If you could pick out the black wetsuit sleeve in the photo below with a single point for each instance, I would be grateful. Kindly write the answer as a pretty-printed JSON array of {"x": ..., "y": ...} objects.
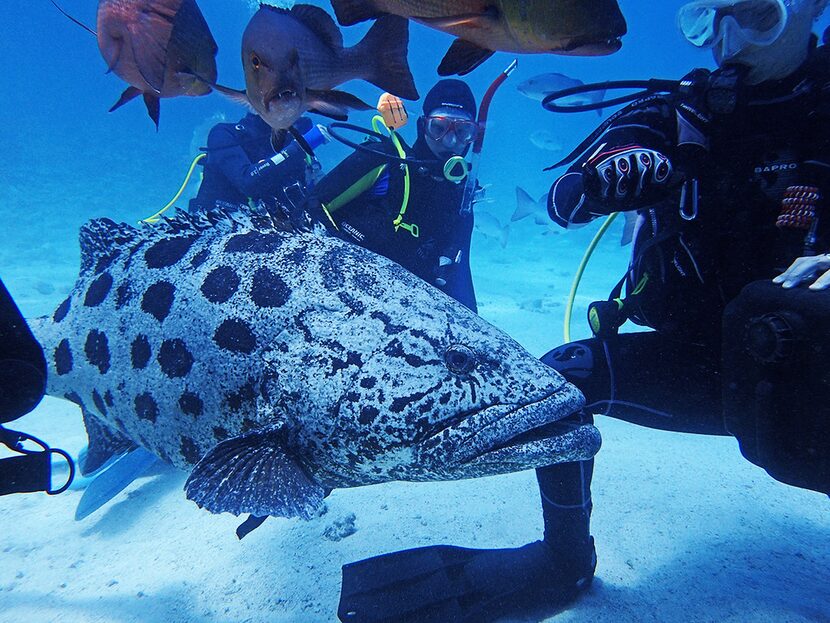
[
  {"x": 252, "y": 179},
  {"x": 652, "y": 126}
]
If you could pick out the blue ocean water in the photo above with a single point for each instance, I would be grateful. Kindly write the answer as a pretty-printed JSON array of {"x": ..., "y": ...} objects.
[{"x": 64, "y": 159}]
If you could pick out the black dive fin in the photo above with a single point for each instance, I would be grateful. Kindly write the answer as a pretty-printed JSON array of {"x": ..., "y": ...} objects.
[
  {"x": 249, "y": 525},
  {"x": 443, "y": 583},
  {"x": 254, "y": 474},
  {"x": 462, "y": 57},
  {"x": 104, "y": 444}
]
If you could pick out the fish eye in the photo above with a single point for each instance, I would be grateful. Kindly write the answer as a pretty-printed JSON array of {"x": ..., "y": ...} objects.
[
  {"x": 255, "y": 61},
  {"x": 460, "y": 359}
]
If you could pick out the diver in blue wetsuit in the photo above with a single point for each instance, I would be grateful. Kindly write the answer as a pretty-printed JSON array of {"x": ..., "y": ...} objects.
[
  {"x": 248, "y": 161},
  {"x": 424, "y": 229}
]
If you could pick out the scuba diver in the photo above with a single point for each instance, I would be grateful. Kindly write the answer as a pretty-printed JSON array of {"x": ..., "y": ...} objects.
[
  {"x": 728, "y": 174},
  {"x": 248, "y": 161},
  {"x": 22, "y": 387},
  {"x": 408, "y": 205}
]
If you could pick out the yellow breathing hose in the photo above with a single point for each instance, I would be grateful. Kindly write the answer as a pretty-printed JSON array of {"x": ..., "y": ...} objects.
[
  {"x": 579, "y": 272},
  {"x": 157, "y": 216}
]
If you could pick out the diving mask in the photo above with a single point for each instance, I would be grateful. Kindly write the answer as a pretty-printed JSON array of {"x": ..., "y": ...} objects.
[{"x": 732, "y": 24}]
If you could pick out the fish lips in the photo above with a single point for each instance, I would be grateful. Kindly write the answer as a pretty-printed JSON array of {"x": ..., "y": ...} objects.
[
  {"x": 510, "y": 437},
  {"x": 591, "y": 46}
]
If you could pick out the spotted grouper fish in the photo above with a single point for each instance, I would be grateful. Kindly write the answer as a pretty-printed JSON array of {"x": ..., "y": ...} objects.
[{"x": 276, "y": 366}]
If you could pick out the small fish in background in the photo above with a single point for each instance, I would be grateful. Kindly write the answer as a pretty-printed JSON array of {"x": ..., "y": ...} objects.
[
  {"x": 547, "y": 140},
  {"x": 485, "y": 26},
  {"x": 489, "y": 226},
  {"x": 539, "y": 87},
  {"x": 528, "y": 206},
  {"x": 294, "y": 58},
  {"x": 161, "y": 48}
]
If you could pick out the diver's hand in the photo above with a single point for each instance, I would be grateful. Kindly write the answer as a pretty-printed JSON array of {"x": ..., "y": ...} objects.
[
  {"x": 804, "y": 269},
  {"x": 626, "y": 174}
]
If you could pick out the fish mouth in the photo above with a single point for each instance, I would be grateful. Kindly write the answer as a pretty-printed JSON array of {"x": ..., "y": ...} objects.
[
  {"x": 279, "y": 97},
  {"x": 591, "y": 46},
  {"x": 512, "y": 437}
]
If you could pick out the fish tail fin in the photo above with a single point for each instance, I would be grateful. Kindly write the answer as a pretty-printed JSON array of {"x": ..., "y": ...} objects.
[
  {"x": 525, "y": 205},
  {"x": 383, "y": 51}
]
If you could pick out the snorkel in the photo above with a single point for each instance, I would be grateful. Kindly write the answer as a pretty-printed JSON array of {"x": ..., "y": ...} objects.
[{"x": 475, "y": 158}]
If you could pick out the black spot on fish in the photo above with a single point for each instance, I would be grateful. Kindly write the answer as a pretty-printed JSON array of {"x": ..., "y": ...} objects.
[
  {"x": 355, "y": 306},
  {"x": 445, "y": 398},
  {"x": 395, "y": 349},
  {"x": 235, "y": 336},
  {"x": 158, "y": 299},
  {"x": 73, "y": 397},
  {"x": 174, "y": 358},
  {"x": 62, "y": 310},
  {"x": 105, "y": 261},
  {"x": 168, "y": 251},
  {"x": 190, "y": 451},
  {"x": 140, "y": 352},
  {"x": 368, "y": 413},
  {"x": 220, "y": 284},
  {"x": 99, "y": 402},
  {"x": 123, "y": 295},
  {"x": 399, "y": 404},
  {"x": 98, "y": 290},
  {"x": 352, "y": 359},
  {"x": 268, "y": 289},
  {"x": 220, "y": 434},
  {"x": 253, "y": 242},
  {"x": 298, "y": 257},
  {"x": 388, "y": 326},
  {"x": 248, "y": 425},
  {"x": 97, "y": 350},
  {"x": 191, "y": 404},
  {"x": 63, "y": 358},
  {"x": 331, "y": 269},
  {"x": 246, "y": 393},
  {"x": 108, "y": 398},
  {"x": 426, "y": 406},
  {"x": 146, "y": 407},
  {"x": 200, "y": 258},
  {"x": 368, "y": 382},
  {"x": 365, "y": 282}
]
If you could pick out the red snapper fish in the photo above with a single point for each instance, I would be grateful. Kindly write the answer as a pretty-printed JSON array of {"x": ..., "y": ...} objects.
[{"x": 161, "y": 48}]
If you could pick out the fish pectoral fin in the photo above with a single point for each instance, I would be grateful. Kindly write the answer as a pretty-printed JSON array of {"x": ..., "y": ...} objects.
[
  {"x": 468, "y": 20},
  {"x": 104, "y": 444},
  {"x": 334, "y": 104},
  {"x": 153, "y": 104},
  {"x": 114, "y": 479},
  {"x": 149, "y": 39},
  {"x": 254, "y": 474},
  {"x": 128, "y": 94},
  {"x": 350, "y": 12},
  {"x": 235, "y": 95},
  {"x": 462, "y": 57}
]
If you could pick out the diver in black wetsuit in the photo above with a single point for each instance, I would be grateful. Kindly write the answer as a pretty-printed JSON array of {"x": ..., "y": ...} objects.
[
  {"x": 729, "y": 177},
  {"x": 248, "y": 161},
  {"x": 425, "y": 231}
]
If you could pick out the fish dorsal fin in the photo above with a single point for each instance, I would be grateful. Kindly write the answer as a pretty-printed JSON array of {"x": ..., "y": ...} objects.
[
  {"x": 320, "y": 23},
  {"x": 254, "y": 474},
  {"x": 104, "y": 444},
  {"x": 103, "y": 240}
]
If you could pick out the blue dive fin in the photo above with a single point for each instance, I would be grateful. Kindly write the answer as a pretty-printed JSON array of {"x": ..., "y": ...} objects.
[{"x": 112, "y": 480}]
